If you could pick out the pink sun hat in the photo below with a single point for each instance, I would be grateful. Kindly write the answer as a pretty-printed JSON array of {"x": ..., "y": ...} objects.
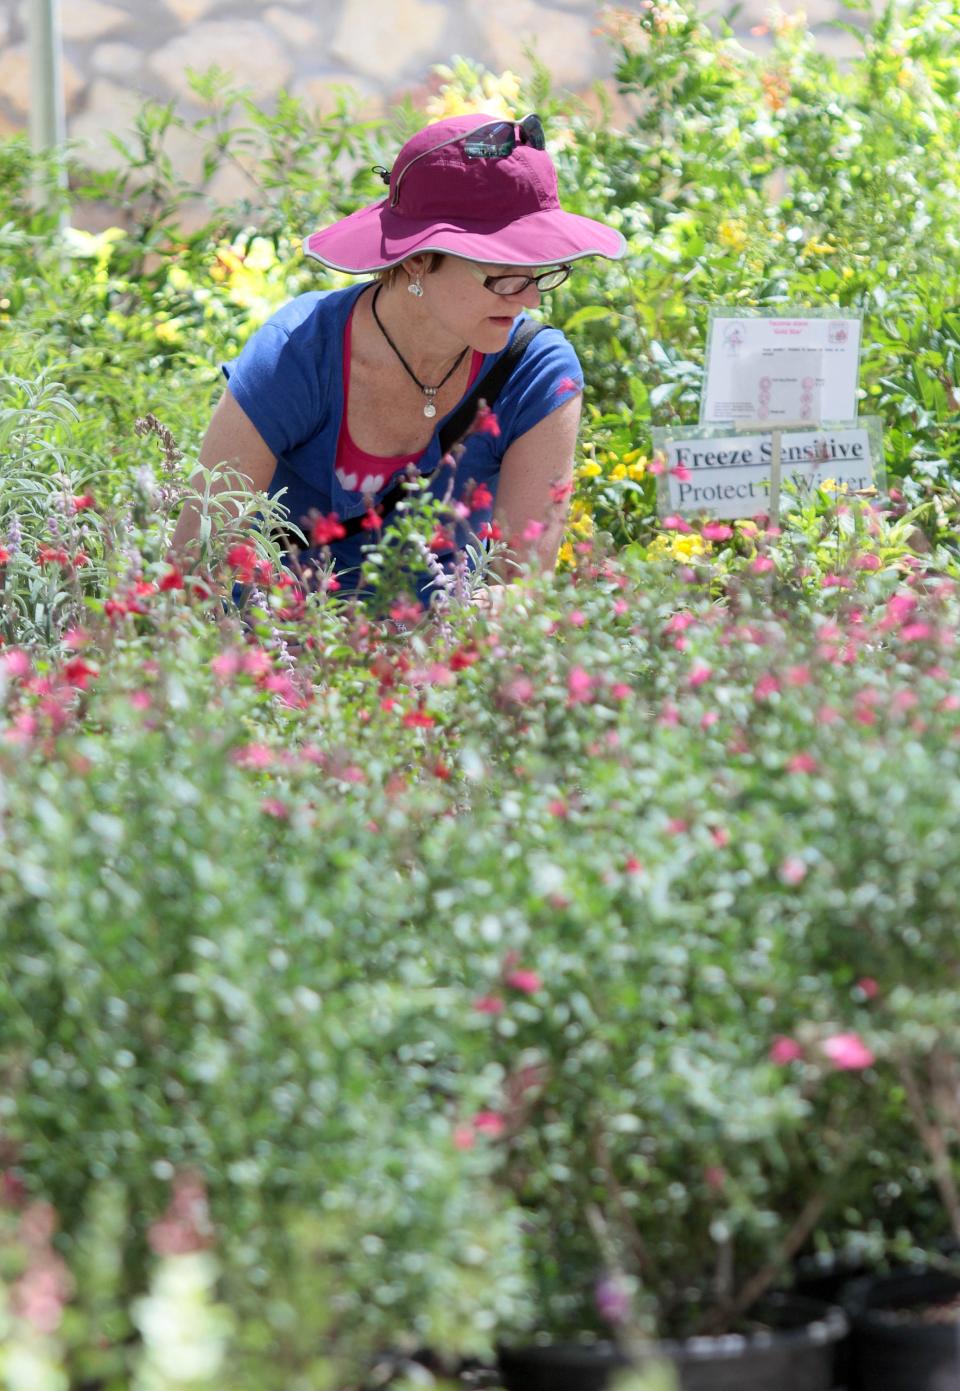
[{"x": 475, "y": 186}]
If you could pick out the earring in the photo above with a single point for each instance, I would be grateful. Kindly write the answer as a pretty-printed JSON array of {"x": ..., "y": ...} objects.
[{"x": 415, "y": 288}]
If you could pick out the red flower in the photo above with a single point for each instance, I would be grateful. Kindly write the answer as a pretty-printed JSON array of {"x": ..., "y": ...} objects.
[
  {"x": 52, "y": 555},
  {"x": 173, "y": 579},
  {"x": 486, "y": 422},
  {"x": 559, "y": 492},
  {"x": 463, "y": 657},
  {"x": 80, "y": 504},
  {"x": 418, "y": 719},
  {"x": 440, "y": 541},
  {"x": 372, "y": 521},
  {"x": 490, "y": 531},
  {"x": 406, "y": 611},
  {"x": 243, "y": 558},
  {"x": 480, "y": 497},
  {"x": 4, "y": 555},
  {"x": 327, "y": 529},
  {"x": 79, "y": 673}
]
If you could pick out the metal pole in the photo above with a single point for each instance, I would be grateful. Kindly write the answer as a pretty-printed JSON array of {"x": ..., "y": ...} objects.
[{"x": 47, "y": 115}]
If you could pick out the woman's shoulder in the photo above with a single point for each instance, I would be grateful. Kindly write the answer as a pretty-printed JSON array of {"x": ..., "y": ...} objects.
[
  {"x": 548, "y": 363},
  {"x": 315, "y": 311}
]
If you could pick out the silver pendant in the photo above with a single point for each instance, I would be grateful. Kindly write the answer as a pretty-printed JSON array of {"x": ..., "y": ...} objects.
[{"x": 429, "y": 410}]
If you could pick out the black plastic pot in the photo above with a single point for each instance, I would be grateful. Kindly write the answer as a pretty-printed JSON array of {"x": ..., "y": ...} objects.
[
  {"x": 796, "y": 1356},
  {"x": 824, "y": 1279},
  {"x": 889, "y": 1351}
]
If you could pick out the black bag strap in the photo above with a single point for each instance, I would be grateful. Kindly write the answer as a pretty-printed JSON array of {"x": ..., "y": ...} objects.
[{"x": 486, "y": 388}]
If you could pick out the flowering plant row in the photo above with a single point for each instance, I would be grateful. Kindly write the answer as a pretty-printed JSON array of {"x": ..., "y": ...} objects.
[{"x": 380, "y": 980}]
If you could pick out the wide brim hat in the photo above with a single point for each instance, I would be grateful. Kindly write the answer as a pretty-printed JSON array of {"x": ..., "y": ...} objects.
[{"x": 501, "y": 210}]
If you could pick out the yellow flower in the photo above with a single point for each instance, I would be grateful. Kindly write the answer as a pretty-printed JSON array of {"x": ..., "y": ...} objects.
[
  {"x": 589, "y": 470},
  {"x": 566, "y": 556},
  {"x": 632, "y": 455},
  {"x": 819, "y": 248},
  {"x": 678, "y": 547},
  {"x": 638, "y": 470},
  {"x": 732, "y": 232},
  {"x": 168, "y": 331},
  {"x": 620, "y": 471}
]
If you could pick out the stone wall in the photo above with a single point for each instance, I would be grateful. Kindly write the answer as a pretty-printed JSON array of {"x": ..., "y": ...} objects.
[{"x": 117, "y": 51}]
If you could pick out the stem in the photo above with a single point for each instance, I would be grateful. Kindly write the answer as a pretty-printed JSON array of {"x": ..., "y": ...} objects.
[
  {"x": 759, "y": 1283},
  {"x": 935, "y": 1143}
]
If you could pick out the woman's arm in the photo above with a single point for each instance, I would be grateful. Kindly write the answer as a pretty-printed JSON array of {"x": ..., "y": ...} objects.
[
  {"x": 536, "y": 469},
  {"x": 233, "y": 439}
]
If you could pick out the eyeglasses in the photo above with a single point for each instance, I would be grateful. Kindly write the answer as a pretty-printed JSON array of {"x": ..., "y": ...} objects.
[
  {"x": 516, "y": 284},
  {"x": 495, "y": 140}
]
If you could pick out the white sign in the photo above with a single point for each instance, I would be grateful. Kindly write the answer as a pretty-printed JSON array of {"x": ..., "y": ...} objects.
[
  {"x": 729, "y": 475},
  {"x": 761, "y": 368}
]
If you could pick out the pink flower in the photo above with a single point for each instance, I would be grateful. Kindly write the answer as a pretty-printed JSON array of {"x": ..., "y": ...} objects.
[
  {"x": 761, "y": 565},
  {"x": 15, "y": 662},
  {"x": 579, "y": 685},
  {"x": 716, "y": 531},
  {"x": 847, "y": 1052},
  {"x": 527, "y": 982},
  {"x": 793, "y": 870},
  {"x": 621, "y": 691},
  {"x": 765, "y": 687},
  {"x": 716, "y": 1177},
  {"x": 633, "y": 866},
  {"x": 784, "y": 1050},
  {"x": 915, "y": 632},
  {"x": 532, "y": 531},
  {"x": 489, "y": 1123},
  {"x": 272, "y": 806},
  {"x": 253, "y": 756},
  {"x": 489, "y": 1004},
  {"x": 699, "y": 675},
  {"x": 678, "y": 622},
  {"x": 676, "y": 523},
  {"x": 869, "y": 562},
  {"x": 802, "y": 763},
  {"x": 868, "y": 987},
  {"x": 464, "y": 1137},
  {"x": 681, "y": 473}
]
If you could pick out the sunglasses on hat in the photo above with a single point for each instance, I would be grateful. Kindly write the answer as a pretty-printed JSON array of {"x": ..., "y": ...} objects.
[{"x": 492, "y": 140}]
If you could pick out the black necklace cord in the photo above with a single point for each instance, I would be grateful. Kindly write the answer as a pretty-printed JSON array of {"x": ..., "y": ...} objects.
[{"x": 428, "y": 391}]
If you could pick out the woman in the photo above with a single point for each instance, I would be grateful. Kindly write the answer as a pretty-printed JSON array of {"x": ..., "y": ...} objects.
[{"x": 340, "y": 393}]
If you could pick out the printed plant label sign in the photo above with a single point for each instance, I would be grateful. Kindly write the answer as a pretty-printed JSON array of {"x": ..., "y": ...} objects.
[
  {"x": 762, "y": 368},
  {"x": 719, "y": 474}
]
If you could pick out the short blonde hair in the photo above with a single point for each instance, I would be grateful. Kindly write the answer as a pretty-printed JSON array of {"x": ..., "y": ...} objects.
[{"x": 392, "y": 274}]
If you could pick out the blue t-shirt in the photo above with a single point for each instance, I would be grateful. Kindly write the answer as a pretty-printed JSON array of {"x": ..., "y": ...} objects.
[{"x": 289, "y": 381}]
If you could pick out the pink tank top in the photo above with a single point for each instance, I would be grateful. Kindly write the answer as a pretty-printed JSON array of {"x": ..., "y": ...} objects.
[{"x": 357, "y": 470}]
